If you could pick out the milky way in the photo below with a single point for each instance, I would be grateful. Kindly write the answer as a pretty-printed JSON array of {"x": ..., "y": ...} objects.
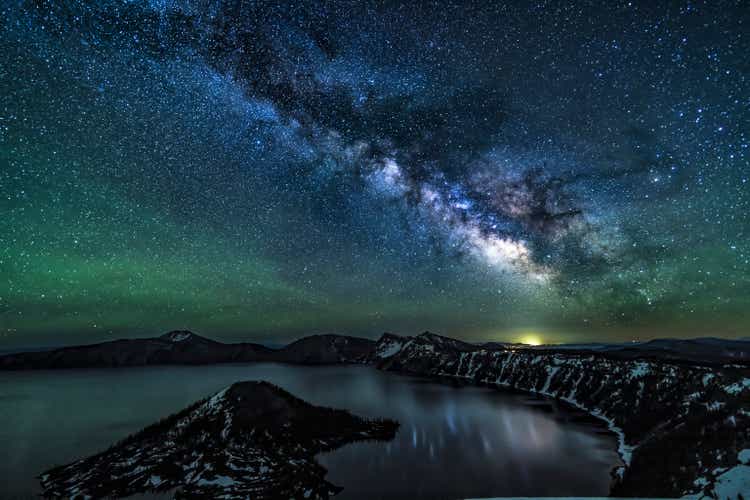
[{"x": 266, "y": 170}]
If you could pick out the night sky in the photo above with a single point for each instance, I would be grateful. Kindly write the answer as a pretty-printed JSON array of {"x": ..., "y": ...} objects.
[{"x": 261, "y": 171}]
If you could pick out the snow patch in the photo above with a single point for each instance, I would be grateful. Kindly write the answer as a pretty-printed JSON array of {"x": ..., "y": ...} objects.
[
  {"x": 215, "y": 402},
  {"x": 738, "y": 387},
  {"x": 715, "y": 406},
  {"x": 701, "y": 482},
  {"x": 218, "y": 480},
  {"x": 179, "y": 336},
  {"x": 640, "y": 369},
  {"x": 388, "y": 350},
  {"x": 551, "y": 370},
  {"x": 733, "y": 483}
]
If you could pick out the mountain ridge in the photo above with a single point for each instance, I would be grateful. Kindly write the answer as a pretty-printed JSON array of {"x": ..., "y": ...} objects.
[{"x": 186, "y": 347}]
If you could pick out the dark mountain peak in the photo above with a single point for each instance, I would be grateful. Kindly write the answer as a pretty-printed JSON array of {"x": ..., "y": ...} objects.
[
  {"x": 256, "y": 392},
  {"x": 250, "y": 440},
  {"x": 262, "y": 406},
  {"x": 264, "y": 403},
  {"x": 328, "y": 348},
  {"x": 184, "y": 336}
]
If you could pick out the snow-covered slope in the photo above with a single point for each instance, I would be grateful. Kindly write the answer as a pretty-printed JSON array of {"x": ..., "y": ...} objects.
[
  {"x": 251, "y": 440},
  {"x": 387, "y": 346},
  {"x": 680, "y": 426}
]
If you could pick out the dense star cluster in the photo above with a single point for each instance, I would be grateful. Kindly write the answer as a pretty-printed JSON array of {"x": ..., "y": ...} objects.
[{"x": 481, "y": 169}]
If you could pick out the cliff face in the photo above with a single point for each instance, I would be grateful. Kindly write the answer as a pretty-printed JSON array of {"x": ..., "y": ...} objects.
[
  {"x": 682, "y": 428},
  {"x": 251, "y": 440}
]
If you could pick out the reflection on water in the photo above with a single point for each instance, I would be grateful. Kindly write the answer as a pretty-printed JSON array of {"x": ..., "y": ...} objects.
[{"x": 453, "y": 442}]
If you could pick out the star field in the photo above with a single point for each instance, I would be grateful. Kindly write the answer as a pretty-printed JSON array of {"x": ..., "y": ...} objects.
[{"x": 255, "y": 170}]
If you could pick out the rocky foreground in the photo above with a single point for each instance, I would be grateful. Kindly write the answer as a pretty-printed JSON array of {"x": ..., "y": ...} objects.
[
  {"x": 683, "y": 428},
  {"x": 251, "y": 440}
]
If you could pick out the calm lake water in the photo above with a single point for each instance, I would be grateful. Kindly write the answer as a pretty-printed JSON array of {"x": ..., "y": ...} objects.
[{"x": 454, "y": 441}]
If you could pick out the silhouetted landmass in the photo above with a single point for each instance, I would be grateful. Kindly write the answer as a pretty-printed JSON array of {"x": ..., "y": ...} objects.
[
  {"x": 183, "y": 347},
  {"x": 251, "y": 440}
]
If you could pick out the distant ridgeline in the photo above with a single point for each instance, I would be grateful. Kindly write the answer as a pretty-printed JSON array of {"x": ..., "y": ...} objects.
[
  {"x": 183, "y": 347},
  {"x": 680, "y": 408}
]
